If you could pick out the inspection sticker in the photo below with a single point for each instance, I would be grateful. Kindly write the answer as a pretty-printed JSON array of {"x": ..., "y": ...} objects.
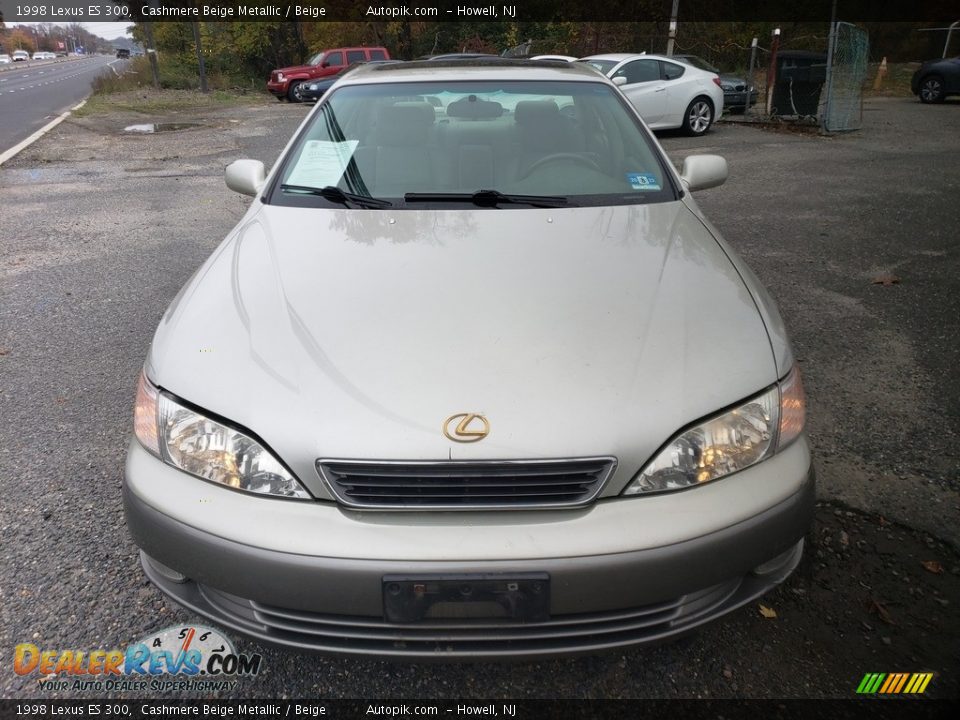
[{"x": 643, "y": 181}]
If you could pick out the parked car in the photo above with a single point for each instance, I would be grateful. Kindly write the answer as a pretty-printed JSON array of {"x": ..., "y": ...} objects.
[
  {"x": 667, "y": 94},
  {"x": 43, "y": 55},
  {"x": 734, "y": 87},
  {"x": 314, "y": 90},
  {"x": 5, "y": 59},
  {"x": 286, "y": 83},
  {"x": 936, "y": 79},
  {"x": 123, "y": 53},
  {"x": 470, "y": 380},
  {"x": 20, "y": 56}
]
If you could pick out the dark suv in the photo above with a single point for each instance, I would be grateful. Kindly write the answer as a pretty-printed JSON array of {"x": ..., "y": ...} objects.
[{"x": 123, "y": 53}]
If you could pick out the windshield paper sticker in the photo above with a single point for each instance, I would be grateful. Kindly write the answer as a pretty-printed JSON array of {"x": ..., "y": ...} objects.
[
  {"x": 322, "y": 163},
  {"x": 643, "y": 181}
]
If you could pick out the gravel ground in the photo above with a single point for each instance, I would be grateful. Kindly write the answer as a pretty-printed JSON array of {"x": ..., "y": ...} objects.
[{"x": 100, "y": 229}]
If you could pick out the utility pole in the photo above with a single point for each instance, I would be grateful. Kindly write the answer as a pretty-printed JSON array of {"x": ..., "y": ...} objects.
[
  {"x": 831, "y": 39},
  {"x": 753, "y": 60},
  {"x": 672, "y": 35},
  {"x": 772, "y": 70},
  {"x": 203, "y": 69},
  {"x": 151, "y": 50}
]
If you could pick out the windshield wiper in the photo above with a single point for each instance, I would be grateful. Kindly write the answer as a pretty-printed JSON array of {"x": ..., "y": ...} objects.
[
  {"x": 335, "y": 194},
  {"x": 491, "y": 198}
]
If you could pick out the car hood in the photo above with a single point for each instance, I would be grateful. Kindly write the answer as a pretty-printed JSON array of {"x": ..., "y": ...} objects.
[
  {"x": 355, "y": 334},
  {"x": 732, "y": 79},
  {"x": 295, "y": 69}
]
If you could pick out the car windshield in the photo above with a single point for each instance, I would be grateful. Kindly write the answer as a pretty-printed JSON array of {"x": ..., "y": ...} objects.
[
  {"x": 315, "y": 60},
  {"x": 604, "y": 66},
  {"x": 422, "y": 143},
  {"x": 697, "y": 62}
]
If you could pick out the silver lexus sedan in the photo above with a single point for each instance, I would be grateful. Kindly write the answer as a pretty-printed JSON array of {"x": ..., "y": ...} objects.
[{"x": 473, "y": 377}]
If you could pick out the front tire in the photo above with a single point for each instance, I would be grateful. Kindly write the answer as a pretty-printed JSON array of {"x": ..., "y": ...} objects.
[
  {"x": 931, "y": 89},
  {"x": 698, "y": 116},
  {"x": 294, "y": 93}
]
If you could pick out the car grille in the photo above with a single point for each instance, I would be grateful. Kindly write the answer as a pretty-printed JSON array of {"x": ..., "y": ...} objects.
[
  {"x": 585, "y": 632},
  {"x": 466, "y": 485}
]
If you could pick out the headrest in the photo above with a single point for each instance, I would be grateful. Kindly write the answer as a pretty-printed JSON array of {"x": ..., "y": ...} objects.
[
  {"x": 536, "y": 112},
  {"x": 404, "y": 123},
  {"x": 408, "y": 112},
  {"x": 471, "y": 107}
]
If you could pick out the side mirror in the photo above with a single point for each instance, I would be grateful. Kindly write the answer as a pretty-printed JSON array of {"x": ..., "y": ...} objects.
[
  {"x": 700, "y": 172},
  {"x": 619, "y": 80},
  {"x": 245, "y": 176},
  {"x": 325, "y": 63}
]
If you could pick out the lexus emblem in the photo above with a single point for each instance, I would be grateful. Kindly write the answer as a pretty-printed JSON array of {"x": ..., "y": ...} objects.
[{"x": 466, "y": 427}]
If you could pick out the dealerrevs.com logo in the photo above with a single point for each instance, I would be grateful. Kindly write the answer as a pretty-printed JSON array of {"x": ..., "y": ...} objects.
[{"x": 198, "y": 658}]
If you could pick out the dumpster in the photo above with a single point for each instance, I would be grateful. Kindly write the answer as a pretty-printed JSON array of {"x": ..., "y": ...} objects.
[{"x": 800, "y": 78}]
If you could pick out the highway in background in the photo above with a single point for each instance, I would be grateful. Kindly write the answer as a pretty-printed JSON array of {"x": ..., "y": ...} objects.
[{"x": 33, "y": 93}]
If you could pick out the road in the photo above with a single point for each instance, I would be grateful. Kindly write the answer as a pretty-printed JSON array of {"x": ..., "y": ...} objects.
[
  {"x": 33, "y": 93},
  {"x": 100, "y": 229}
]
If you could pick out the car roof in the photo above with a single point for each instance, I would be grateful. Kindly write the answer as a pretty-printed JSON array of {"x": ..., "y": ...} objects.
[
  {"x": 614, "y": 57},
  {"x": 620, "y": 57},
  {"x": 477, "y": 69}
]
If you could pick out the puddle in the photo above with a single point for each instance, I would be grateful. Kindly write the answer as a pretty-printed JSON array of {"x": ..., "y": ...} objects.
[{"x": 160, "y": 127}]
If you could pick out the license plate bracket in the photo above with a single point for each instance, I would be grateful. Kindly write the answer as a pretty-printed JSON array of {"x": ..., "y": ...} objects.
[{"x": 412, "y": 598}]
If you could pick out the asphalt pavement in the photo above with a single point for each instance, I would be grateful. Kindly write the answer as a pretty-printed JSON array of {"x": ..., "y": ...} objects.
[
  {"x": 33, "y": 93},
  {"x": 100, "y": 229}
]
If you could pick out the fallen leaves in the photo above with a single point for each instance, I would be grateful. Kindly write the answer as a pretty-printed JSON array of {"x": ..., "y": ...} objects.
[
  {"x": 886, "y": 279},
  {"x": 932, "y": 566},
  {"x": 882, "y": 612},
  {"x": 767, "y": 612}
]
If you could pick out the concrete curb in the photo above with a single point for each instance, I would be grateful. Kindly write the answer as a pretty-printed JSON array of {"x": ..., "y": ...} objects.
[{"x": 24, "y": 144}]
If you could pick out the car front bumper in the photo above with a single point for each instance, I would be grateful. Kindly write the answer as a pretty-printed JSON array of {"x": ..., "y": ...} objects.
[
  {"x": 278, "y": 89},
  {"x": 738, "y": 99},
  {"x": 335, "y": 604}
]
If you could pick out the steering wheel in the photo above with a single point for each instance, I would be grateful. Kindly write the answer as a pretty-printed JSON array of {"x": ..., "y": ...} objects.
[{"x": 584, "y": 160}]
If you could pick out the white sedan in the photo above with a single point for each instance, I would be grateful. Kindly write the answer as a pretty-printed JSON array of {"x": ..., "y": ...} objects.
[{"x": 666, "y": 93}]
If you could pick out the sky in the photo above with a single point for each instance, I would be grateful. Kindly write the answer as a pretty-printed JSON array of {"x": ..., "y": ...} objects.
[{"x": 106, "y": 30}]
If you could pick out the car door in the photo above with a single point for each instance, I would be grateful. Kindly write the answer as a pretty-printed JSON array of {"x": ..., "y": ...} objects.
[
  {"x": 951, "y": 75},
  {"x": 679, "y": 92},
  {"x": 332, "y": 64},
  {"x": 644, "y": 88}
]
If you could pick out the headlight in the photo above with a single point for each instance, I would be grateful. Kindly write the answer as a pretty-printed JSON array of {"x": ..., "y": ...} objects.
[
  {"x": 280, "y": 77},
  {"x": 729, "y": 442},
  {"x": 208, "y": 449}
]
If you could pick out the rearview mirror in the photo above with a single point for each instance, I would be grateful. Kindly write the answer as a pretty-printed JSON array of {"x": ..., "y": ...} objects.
[
  {"x": 619, "y": 80},
  {"x": 701, "y": 172},
  {"x": 245, "y": 176}
]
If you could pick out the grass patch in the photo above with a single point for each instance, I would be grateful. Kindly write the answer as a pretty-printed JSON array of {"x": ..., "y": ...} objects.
[
  {"x": 895, "y": 84},
  {"x": 131, "y": 90},
  {"x": 147, "y": 101}
]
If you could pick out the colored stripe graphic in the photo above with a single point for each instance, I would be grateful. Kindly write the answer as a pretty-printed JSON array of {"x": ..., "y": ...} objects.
[
  {"x": 903, "y": 681},
  {"x": 894, "y": 683},
  {"x": 913, "y": 683},
  {"x": 891, "y": 678}
]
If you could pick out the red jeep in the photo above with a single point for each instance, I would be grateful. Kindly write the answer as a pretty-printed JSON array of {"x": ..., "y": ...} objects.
[{"x": 285, "y": 82}]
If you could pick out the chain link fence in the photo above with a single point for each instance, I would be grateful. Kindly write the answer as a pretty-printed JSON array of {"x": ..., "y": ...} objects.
[{"x": 842, "y": 108}]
